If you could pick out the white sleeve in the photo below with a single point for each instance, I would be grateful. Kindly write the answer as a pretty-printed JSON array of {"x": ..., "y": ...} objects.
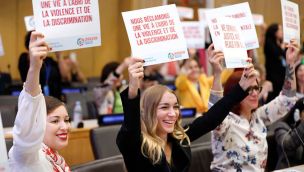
[
  {"x": 276, "y": 109},
  {"x": 29, "y": 128}
]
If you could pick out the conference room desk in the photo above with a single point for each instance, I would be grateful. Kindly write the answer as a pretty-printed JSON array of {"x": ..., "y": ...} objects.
[
  {"x": 79, "y": 149},
  {"x": 299, "y": 168}
]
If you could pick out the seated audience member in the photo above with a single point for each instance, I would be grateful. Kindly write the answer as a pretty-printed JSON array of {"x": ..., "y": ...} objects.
[
  {"x": 151, "y": 137},
  {"x": 193, "y": 86},
  {"x": 50, "y": 77},
  {"x": 24, "y": 60},
  {"x": 275, "y": 60},
  {"x": 107, "y": 98},
  {"x": 289, "y": 135},
  {"x": 154, "y": 71},
  {"x": 169, "y": 71},
  {"x": 69, "y": 69},
  {"x": 42, "y": 123},
  {"x": 147, "y": 82},
  {"x": 239, "y": 142},
  {"x": 300, "y": 79}
]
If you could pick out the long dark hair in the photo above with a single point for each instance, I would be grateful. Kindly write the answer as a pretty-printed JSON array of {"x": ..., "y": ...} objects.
[
  {"x": 107, "y": 70},
  {"x": 27, "y": 39},
  {"x": 270, "y": 36},
  {"x": 296, "y": 70}
]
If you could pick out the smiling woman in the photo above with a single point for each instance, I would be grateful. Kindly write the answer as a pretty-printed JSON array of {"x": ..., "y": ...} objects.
[
  {"x": 58, "y": 124},
  {"x": 151, "y": 137},
  {"x": 42, "y": 123}
]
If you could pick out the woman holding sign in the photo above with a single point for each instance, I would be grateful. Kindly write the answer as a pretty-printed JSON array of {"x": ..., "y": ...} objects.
[
  {"x": 275, "y": 62},
  {"x": 239, "y": 143},
  {"x": 42, "y": 123},
  {"x": 151, "y": 137}
]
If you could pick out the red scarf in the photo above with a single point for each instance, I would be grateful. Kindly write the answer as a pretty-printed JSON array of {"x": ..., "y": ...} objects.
[{"x": 56, "y": 160}]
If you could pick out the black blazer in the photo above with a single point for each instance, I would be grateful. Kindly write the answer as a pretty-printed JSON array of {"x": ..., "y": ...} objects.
[{"x": 129, "y": 138}]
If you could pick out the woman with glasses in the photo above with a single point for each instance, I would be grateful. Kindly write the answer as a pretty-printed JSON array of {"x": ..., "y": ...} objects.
[{"x": 239, "y": 143}]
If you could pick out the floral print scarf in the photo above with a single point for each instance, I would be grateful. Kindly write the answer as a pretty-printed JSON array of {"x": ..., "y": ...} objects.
[{"x": 57, "y": 161}]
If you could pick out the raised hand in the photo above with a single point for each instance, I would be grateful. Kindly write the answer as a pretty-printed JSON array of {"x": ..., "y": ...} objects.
[
  {"x": 38, "y": 50},
  {"x": 289, "y": 87},
  {"x": 136, "y": 74},
  {"x": 215, "y": 58},
  {"x": 292, "y": 52},
  {"x": 250, "y": 76}
]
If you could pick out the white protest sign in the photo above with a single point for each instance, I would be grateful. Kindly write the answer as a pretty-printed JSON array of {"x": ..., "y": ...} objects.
[
  {"x": 29, "y": 23},
  {"x": 185, "y": 12},
  {"x": 68, "y": 24},
  {"x": 202, "y": 14},
  {"x": 214, "y": 28},
  {"x": 233, "y": 42},
  {"x": 227, "y": 37},
  {"x": 258, "y": 19},
  {"x": 241, "y": 12},
  {"x": 156, "y": 34},
  {"x": 291, "y": 21},
  {"x": 3, "y": 151},
  {"x": 1, "y": 47},
  {"x": 194, "y": 33}
]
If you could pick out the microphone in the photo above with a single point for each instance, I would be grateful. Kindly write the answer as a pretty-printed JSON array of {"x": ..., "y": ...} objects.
[{"x": 296, "y": 115}]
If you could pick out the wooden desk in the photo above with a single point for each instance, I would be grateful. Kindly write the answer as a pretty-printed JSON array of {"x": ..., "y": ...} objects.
[
  {"x": 79, "y": 149},
  {"x": 292, "y": 169}
]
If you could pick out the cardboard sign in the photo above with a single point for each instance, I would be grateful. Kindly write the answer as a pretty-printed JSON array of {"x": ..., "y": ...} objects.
[
  {"x": 241, "y": 12},
  {"x": 29, "y": 23},
  {"x": 3, "y": 151},
  {"x": 291, "y": 21},
  {"x": 185, "y": 12},
  {"x": 68, "y": 24},
  {"x": 1, "y": 47},
  {"x": 194, "y": 33},
  {"x": 258, "y": 19},
  {"x": 156, "y": 34},
  {"x": 227, "y": 37}
]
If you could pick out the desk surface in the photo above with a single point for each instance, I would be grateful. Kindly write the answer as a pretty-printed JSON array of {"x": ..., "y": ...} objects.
[{"x": 299, "y": 168}]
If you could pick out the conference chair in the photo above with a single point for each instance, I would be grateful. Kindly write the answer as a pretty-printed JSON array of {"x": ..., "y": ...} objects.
[
  {"x": 201, "y": 157},
  {"x": 103, "y": 140},
  {"x": 111, "y": 164},
  {"x": 8, "y": 110}
]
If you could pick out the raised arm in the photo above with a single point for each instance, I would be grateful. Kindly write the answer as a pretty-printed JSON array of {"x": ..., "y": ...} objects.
[
  {"x": 30, "y": 123},
  {"x": 129, "y": 134},
  {"x": 215, "y": 59},
  {"x": 38, "y": 52},
  {"x": 289, "y": 87},
  {"x": 218, "y": 112},
  {"x": 278, "y": 107},
  {"x": 136, "y": 74}
]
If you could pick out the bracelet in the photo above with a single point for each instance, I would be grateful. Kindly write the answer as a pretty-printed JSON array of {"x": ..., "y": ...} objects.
[
  {"x": 116, "y": 74},
  {"x": 217, "y": 92}
]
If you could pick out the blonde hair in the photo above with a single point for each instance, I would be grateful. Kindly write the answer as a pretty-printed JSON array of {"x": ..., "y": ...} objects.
[{"x": 151, "y": 146}]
